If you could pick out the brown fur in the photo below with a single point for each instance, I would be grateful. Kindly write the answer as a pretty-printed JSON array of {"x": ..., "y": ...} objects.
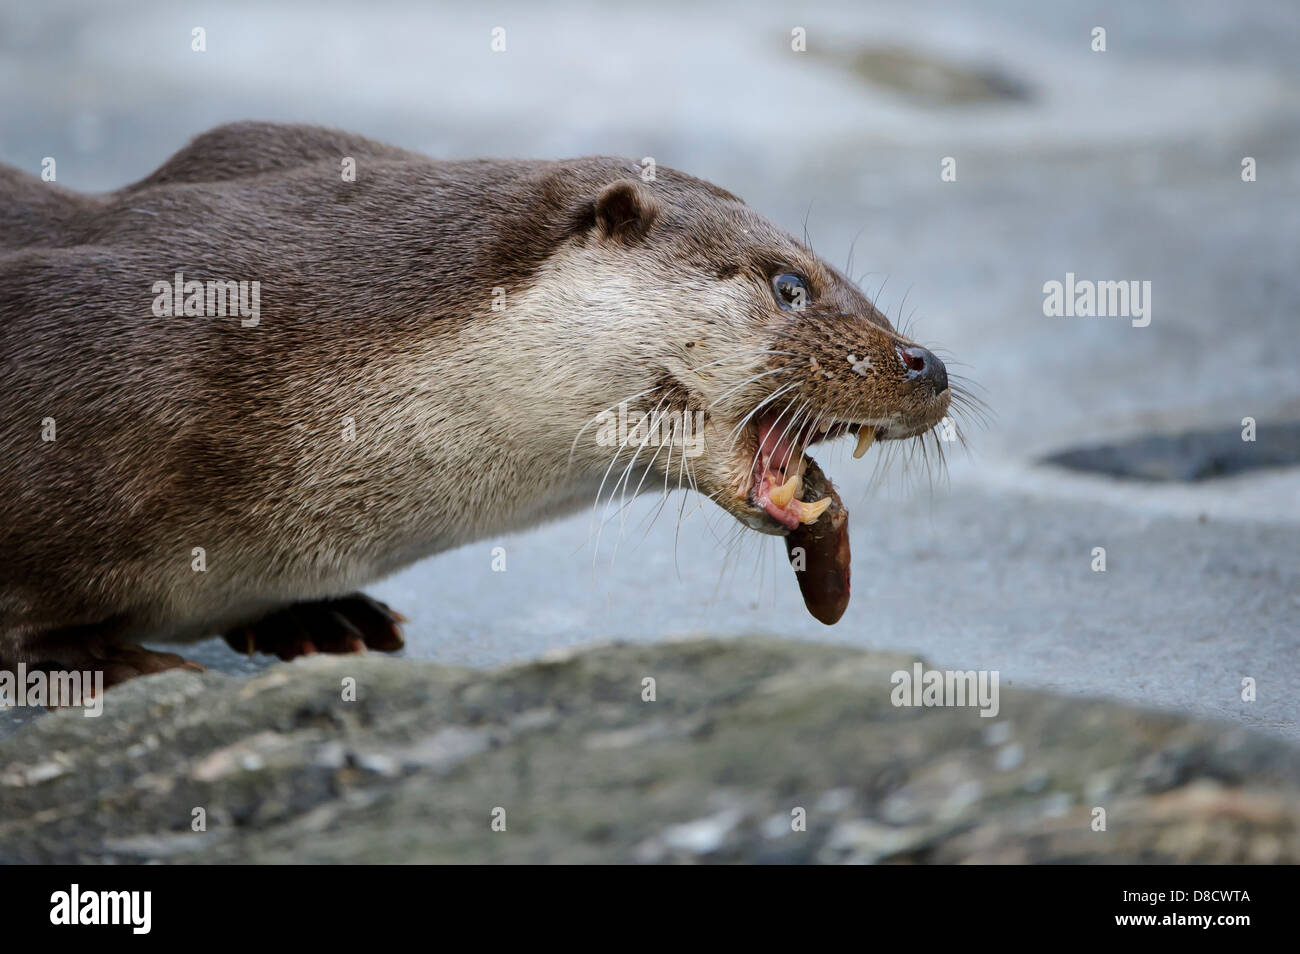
[{"x": 376, "y": 304}]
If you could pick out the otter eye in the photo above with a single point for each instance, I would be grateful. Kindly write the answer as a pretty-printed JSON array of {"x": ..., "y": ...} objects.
[{"x": 791, "y": 291}]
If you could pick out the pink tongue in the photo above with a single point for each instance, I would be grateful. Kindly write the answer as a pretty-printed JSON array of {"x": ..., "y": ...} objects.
[
  {"x": 773, "y": 443},
  {"x": 775, "y": 451},
  {"x": 783, "y": 515}
]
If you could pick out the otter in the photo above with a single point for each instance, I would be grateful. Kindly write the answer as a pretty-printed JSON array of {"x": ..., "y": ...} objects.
[{"x": 434, "y": 345}]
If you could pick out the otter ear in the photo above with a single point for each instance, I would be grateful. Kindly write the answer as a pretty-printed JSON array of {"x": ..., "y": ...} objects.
[{"x": 625, "y": 210}]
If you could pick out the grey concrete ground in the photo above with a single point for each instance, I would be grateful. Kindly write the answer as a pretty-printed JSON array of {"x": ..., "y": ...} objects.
[{"x": 1116, "y": 165}]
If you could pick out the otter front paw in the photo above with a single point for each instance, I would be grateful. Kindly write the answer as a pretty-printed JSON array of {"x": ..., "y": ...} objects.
[{"x": 350, "y": 624}]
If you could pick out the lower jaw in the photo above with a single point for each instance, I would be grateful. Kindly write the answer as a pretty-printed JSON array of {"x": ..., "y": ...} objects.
[
  {"x": 790, "y": 516},
  {"x": 758, "y": 520}
]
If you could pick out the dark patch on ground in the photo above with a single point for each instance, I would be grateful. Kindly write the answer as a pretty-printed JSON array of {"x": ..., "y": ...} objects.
[{"x": 1189, "y": 456}]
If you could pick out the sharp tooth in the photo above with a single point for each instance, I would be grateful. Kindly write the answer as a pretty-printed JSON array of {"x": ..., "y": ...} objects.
[
  {"x": 865, "y": 436},
  {"x": 809, "y": 512},
  {"x": 781, "y": 496}
]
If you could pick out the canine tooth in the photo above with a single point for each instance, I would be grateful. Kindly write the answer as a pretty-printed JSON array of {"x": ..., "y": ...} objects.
[
  {"x": 781, "y": 496},
  {"x": 809, "y": 512},
  {"x": 865, "y": 436}
]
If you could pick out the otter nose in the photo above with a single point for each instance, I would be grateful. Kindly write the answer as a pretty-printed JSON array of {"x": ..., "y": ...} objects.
[{"x": 922, "y": 365}]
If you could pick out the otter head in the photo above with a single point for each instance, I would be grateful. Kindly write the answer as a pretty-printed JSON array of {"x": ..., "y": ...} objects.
[{"x": 704, "y": 316}]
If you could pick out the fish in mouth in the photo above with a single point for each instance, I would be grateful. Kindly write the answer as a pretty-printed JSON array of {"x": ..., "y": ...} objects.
[
  {"x": 785, "y": 491},
  {"x": 817, "y": 541}
]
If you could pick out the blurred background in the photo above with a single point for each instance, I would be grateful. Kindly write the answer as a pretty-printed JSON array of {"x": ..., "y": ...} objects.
[{"x": 1116, "y": 165}]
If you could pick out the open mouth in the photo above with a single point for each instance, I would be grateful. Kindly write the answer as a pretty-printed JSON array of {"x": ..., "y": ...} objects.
[
  {"x": 788, "y": 494},
  {"x": 781, "y": 463},
  {"x": 790, "y": 488}
]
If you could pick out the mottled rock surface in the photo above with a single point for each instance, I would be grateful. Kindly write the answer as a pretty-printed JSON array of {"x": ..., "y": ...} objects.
[{"x": 740, "y": 736}]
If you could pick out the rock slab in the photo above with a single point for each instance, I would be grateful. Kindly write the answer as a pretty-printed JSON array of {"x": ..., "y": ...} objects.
[{"x": 752, "y": 750}]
